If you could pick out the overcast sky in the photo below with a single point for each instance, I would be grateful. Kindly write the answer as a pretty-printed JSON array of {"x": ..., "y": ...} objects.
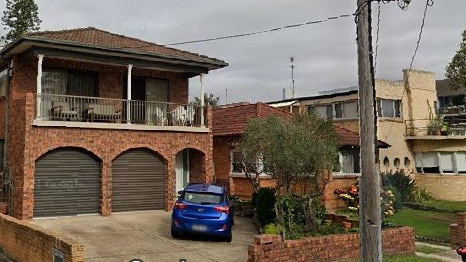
[{"x": 259, "y": 66}]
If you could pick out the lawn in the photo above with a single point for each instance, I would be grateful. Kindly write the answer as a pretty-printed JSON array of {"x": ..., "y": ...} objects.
[
  {"x": 452, "y": 206},
  {"x": 429, "y": 224}
]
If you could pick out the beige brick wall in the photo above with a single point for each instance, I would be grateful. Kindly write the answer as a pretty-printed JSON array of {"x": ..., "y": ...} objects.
[
  {"x": 24, "y": 241},
  {"x": 444, "y": 187}
]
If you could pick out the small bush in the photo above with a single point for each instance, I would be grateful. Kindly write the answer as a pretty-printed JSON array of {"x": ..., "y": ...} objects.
[
  {"x": 403, "y": 183},
  {"x": 272, "y": 229},
  {"x": 265, "y": 206},
  {"x": 421, "y": 195}
]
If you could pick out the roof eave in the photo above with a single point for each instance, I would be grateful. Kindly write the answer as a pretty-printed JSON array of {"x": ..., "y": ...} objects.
[{"x": 212, "y": 64}]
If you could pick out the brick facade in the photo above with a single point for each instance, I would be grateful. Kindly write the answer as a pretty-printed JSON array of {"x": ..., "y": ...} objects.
[
  {"x": 272, "y": 248},
  {"x": 458, "y": 231},
  {"x": 27, "y": 143}
]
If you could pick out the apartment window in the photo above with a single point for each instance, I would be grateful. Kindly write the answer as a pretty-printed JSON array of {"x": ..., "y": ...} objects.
[
  {"x": 75, "y": 83},
  {"x": 324, "y": 111},
  {"x": 389, "y": 108},
  {"x": 349, "y": 160},
  {"x": 346, "y": 110},
  {"x": 329, "y": 111},
  {"x": 3, "y": 82}
]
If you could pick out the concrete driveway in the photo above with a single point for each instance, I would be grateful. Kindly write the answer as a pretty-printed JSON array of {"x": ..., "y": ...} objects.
[{"x": 146, "y": 235}]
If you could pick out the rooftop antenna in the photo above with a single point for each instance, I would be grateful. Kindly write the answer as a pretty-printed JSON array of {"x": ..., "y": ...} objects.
[{"x": 292, "y": 77}]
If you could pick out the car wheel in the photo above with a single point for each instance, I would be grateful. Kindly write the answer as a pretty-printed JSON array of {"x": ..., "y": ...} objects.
[
  {"x": 232, "y": 221},
  {"x": 228, "y": 238},
  {"x": 175, "y": 234}
]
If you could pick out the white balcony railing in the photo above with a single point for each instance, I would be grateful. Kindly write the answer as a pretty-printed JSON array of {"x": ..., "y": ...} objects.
[{"x": 95, "y": 109}]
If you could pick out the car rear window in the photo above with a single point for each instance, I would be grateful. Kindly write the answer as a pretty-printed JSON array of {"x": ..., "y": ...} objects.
[{"x": 202, "y": 198}]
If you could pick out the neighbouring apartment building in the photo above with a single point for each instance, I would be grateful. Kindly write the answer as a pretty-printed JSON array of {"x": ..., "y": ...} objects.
[
  {"x": 96, "y": 122},
  {"x": 406, "y": 111}
]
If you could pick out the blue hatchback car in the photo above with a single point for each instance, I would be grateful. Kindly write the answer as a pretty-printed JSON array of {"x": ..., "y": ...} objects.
[{"x": 203, "y": 209}]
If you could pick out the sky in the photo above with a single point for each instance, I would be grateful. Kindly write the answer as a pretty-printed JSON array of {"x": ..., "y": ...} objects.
[{"x": 325, "y": 54}]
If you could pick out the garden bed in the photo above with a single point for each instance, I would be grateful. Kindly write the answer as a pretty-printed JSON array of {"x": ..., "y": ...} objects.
[{"x": 273, "y": 248}]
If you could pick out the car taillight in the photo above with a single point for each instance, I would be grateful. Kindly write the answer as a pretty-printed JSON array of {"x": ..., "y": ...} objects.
[
  {"x": 180, "y": 206},
  {"x": 224, "y": 209}
]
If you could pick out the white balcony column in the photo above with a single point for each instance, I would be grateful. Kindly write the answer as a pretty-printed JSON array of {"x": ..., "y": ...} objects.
[
  {"x": 128, "y": 96},
  {"x": 39, "y": 85},
  {"x": 201, "y": 97}
]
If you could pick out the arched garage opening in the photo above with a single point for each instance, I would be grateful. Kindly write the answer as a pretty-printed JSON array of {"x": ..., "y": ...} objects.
[
  {"x": 67, "y": 181},
  {"x": 138, "y": 181}
]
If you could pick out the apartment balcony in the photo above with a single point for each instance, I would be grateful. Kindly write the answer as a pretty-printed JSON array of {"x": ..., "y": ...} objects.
[
  {"x": 108, "y": 113},
  {"x": 421, "y": 130}
]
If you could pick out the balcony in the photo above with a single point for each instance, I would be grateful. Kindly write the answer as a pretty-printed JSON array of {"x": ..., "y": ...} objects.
[
  {"x": 108, "y": 113},
  {"x": 420, "y": 130}
]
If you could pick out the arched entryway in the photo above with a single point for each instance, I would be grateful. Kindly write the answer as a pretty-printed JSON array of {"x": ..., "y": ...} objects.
[
  {"x": 138, "y": 181},
  {"x": 67, "y": 181}
]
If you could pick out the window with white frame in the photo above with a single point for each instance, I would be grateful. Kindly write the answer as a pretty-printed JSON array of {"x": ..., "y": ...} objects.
[
  {"x": 349, "y": 160},
  {"x": 388, "y": 108},
  {"x": 346, "y": 110},
  {"x": 441, "y": 162},
  {"x": 236, "y": 162},
  {"x": 3, "y": 82}
]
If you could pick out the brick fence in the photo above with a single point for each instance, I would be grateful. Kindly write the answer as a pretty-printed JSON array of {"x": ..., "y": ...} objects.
[
  {"x": 24, "y": 241},
  {"x": 458, "y": 230},
  {"x": 272, "y": 248}
]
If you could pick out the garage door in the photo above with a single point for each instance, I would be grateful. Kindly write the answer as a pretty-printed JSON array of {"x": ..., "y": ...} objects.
[
  {"x": 138, "y": 181},
  {"x": 67, "y": 182}
]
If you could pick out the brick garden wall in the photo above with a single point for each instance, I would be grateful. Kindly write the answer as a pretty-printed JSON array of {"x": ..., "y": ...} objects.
[
  {"x": 271, "y": 248},
  {"x": 458, "y": 230},
  {"x": 24, "y": 241}
]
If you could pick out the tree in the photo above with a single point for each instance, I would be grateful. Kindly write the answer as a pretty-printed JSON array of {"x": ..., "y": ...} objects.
[
  {"x": 20, "y": 16},
  {"x": 209, "y": 99},
  {"x": 298, "y": 151},
  {"x": 456, "y": 70}
]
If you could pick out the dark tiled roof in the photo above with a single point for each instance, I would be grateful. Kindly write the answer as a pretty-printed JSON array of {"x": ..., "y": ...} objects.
[
  {"x": 350, "y": 138},
  {"x": 231, "y": 121},
  {"x": 99, "y": 38}
]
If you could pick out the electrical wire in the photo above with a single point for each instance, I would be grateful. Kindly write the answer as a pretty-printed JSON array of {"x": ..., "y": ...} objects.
[
  {"x": 328, "y": 19},
  {"x": 429, "y": 3}
]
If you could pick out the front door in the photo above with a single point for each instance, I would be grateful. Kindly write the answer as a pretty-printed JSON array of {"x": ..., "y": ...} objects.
[
  {"x": 138, "y": 98},
  {"x": 182, "y": 170}
]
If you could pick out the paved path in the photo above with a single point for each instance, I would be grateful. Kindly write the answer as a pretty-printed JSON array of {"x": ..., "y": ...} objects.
[{"x": 146, "y": 235}]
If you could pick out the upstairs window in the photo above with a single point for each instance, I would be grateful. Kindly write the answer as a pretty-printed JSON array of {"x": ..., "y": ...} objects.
[
  {"x": 75, "y": 83},
  {"x": 389, "y": 108}
]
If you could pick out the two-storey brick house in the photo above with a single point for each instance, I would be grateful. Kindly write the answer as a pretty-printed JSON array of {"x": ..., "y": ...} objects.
[{"x": 96, "y": 122}]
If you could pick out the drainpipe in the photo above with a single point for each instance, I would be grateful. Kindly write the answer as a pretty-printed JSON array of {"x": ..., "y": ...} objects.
[
  {"x": 128, "y": 96},
  {"x": 201, "y": 77}
]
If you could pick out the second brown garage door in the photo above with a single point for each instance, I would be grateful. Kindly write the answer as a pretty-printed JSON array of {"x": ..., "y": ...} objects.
[{"x": 138, "y": 181}]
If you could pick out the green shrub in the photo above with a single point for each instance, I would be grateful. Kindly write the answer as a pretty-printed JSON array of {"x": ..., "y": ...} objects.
[
  {"x": 319, "y": 209},
  {"x": 403, "y": 183},
  {"x": 421, "y": 195},
  {"x": 265, "y": 206},
  {"x": 272, "y": 229}
]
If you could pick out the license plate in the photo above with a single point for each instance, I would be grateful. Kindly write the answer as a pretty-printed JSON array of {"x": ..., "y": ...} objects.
[{"x": 200, "y": 228}]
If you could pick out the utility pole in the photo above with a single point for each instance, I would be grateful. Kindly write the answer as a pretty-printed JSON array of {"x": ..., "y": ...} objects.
[
  {"x": 369, "y": 185},
  {"x": 292, "y": 78}
]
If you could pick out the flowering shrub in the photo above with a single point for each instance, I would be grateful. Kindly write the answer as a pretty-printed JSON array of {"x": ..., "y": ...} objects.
[{"x": 351, "y": 198}]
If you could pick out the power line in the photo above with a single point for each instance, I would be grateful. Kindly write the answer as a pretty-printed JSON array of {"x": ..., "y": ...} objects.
[
  {"x": 328, "y": 19},
  {"x": 429, "y": 3}
]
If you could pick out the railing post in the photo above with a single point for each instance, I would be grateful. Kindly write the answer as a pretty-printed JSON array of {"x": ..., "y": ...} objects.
[
  {"x": 39, "y": 85},
  {"x": 201, "y": 77},
  {"x": 128, "y": 97}
]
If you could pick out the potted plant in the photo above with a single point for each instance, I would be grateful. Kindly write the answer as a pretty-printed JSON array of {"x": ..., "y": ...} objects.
[{"x": 437, "y": 125}]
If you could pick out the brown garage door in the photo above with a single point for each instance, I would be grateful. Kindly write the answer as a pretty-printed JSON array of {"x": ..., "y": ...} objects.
[
  {"x": 67, "y": 182},
  {"x": 138, "y": 181}
]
